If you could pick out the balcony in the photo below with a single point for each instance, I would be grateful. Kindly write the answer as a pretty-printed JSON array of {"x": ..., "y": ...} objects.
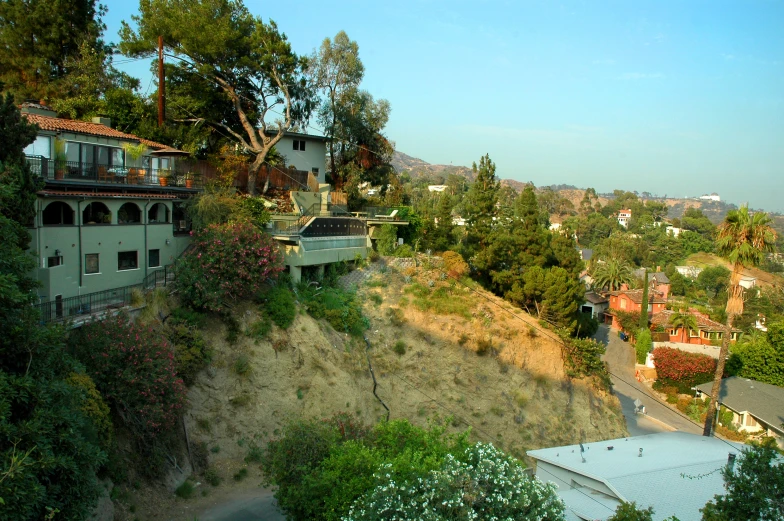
[{"x": 184, "y": 175}]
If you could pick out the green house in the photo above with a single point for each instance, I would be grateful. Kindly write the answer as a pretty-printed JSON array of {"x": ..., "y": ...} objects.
[{"x": 109, "y": 215}]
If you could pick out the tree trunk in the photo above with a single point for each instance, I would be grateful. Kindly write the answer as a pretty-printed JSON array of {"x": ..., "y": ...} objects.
[
  {"x": 253, "y": 172},
  {"x": 725, "y": 347},
  {"x": 734, "y": 307}
]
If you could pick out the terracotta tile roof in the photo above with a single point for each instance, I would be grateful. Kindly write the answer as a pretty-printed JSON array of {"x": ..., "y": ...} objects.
[
  {"x": 635, "y": 295},
  {"x": 663, "y": 318},
  {"x": 117, "y": 195},
  {"x": 85, "y": 127}
]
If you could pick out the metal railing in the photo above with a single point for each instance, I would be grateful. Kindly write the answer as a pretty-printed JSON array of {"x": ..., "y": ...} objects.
[
  {"x": 92, "y": 303},
  {"x": 313, "y": 211},
  {"x": 77, "y": 171}
]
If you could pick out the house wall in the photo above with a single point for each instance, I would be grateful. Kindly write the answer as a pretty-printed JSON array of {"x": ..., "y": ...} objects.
[
  {"x": 596, "y": 310},
  {"x": 314, "y": 155},
  {"x": 318, "y": 251},
  {"x": 106, "y": 239}
]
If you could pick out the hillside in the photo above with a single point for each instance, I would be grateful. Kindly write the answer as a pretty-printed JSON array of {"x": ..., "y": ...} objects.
[
  {"x": 418, "y": 168},
  {"x": 764, "y": 279},
  {"x": 467, "y": 357}
]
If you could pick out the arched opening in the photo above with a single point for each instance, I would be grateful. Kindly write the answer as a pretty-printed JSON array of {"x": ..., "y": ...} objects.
[
  {"x": 58, "y": 212},
  {"x": 96, "y": 213},
  {"x": 159, "y": 213},
  {"x": 129, "y": 213}
]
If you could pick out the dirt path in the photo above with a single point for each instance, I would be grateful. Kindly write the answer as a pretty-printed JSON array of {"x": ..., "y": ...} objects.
[{"x": 660, "y": 417}]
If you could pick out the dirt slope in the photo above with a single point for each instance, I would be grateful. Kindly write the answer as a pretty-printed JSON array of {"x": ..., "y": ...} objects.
[{"x": 515, "y": 395}]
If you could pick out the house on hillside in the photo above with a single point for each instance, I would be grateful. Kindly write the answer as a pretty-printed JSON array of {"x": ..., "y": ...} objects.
[
  {"x": 658, "y": 281},
  {"x": 672, "y": 230},
  {"x": 595, "y": 304},
  {"x": 306, "y": 152},
  {"x": 630, "y": 301},
  {"x": 105, "y": 218},
  {"x": 710, "y": 197},
  {"x": 656, "y": 470},
  {"x": 624, "y": 217},
  {"x": 708, "y": 331},
  {"x": 437, "y": 188},
  {"x": 757, "y": 407},
  {"x": 748, "y": 282}
]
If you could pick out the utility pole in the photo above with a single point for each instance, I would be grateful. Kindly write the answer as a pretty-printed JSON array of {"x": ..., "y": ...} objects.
[{"x": 161, "y": 84}]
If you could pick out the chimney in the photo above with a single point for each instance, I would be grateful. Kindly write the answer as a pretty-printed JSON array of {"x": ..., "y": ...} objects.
[{"x": 100, "y": 120}]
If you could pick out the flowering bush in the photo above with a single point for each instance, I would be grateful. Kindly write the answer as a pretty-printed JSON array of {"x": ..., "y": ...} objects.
[
  {"x": 682, "y": 369},
  {"x": 483, "y": 484},
  {"x": 134, "y": 369},
  {"x": 229, "y": 262}
]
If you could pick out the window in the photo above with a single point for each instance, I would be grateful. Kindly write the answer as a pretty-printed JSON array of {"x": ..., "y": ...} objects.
[
  {"x": 127, "y": 260},
  {"x": 129, "y": 213},
  {"x": 51, "y": 262},
  {"x": 694, "y": 334},
  {"x": 673, "y": 332},
  {"x": 299, "y": 144},
  {"x": 58, "y": 212},
  {"x": 42, "y": 146},
  {"x": 154, "y": 259},
  {"x": 91, "y": 263},
  {"x": 623, "y": 303},
  {"x": 314, "y": 170},
  {"x": 159, "y": 213}
]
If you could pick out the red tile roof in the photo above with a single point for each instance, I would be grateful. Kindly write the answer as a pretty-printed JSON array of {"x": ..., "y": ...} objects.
[
  {"x": 95, "y": 195},
  {"x": 85, "y": 127},
  {"x": 663, "y": 318}
]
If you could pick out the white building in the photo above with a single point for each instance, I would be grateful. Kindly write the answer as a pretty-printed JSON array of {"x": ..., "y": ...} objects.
[
  {"x": 672, "y": 230},
  {"x": 624, "y": 217},
  {"x": 689, "y": 271},
  {"x": 437, "y": 188},
  {"x": 304, "y": 152},
  {"x": 712, "y": 197},
  {"x": 673, "y": 472}
]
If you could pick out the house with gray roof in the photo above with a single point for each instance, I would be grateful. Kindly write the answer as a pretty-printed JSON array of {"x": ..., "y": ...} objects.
[
  {"x": 676, "y": 473},
  {"x": 757, "y": 407}
]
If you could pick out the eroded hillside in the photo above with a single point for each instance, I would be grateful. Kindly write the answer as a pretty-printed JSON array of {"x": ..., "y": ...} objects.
[{"x": 438, "y": 347}]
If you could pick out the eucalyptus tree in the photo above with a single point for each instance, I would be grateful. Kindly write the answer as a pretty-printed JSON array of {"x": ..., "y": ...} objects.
[
  {"x": 336, "y": 69},
  {"x": 743, "y": 239},
  {"x": 249, "y": 60}
]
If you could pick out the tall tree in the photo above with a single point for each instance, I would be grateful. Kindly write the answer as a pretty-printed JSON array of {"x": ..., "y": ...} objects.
[
  {"x": 743, "y": 239},
  {"x": 480, "y": 205},
  {"x": 249, "y": 60},
  {"x": 38, "y": 39},
  {"x": 337, "y": 70},
  {"x": 644, "y": 304}
]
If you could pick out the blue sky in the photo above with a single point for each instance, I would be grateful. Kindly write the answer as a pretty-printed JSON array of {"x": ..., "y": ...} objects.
[{"x": 672, "y": 97}]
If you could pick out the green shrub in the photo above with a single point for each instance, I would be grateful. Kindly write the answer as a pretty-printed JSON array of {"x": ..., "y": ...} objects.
[
  {"x": 280, "y": 306},
  {"x": 241, "y": 474},
  {"x": 191, "y": 352},
  {"x": 643, "y": 345},
  {"x": 376, "y": 299},
  {"x": 259, "y": 329},
  {"x": 229, "y": 262},
  {"x": 211, "y": 476},
  {"x": 399, "y": 347},
  {"x": 342, "y": 309},
  {"x": 242, "y": 365},
  {"x": 94, "y": 407},
  {"x": 403, "y": 251},
  {"x": 386, "y": 239},
  {"x": 232, "y": 327},
  {"x": 396, "y": 316},
  {"x": 188, "y": 317},
  {"x": 185, "y": 491}
]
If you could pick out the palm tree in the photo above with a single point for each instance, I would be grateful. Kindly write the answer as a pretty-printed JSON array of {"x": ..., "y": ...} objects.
[
  {"x": 684, "y": 320},
  {"x": 612, "y": 274},
  {"x": 743, "y": 239}
]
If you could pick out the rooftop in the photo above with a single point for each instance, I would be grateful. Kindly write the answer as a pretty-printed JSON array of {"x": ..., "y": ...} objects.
[
  {"x": 663, "y": 318},
  {"x": 656, "y": 469},
  {"x": 85, "y": 127},
  {"x": 763, "y": 401},
  {"x": 635, "y": 295}
]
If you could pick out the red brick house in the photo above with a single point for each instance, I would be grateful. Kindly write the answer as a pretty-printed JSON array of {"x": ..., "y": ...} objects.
[{"x": 708, "y": 331}]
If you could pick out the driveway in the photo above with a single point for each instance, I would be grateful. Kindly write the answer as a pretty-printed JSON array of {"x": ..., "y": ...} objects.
[
  {"x": 659, "y": 417},
  {"x": 253, "y": 505}
]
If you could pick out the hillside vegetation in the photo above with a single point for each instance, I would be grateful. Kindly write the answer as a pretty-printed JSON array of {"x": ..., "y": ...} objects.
[{"x": 451, "y": 350}]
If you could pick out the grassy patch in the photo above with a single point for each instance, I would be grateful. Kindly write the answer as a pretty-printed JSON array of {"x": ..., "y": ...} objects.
[
  {"x": 242, "y": 365},
  {"x": 241, "y": 474},
  {"x": 279, "y": 305},
  {"x": 259, "y": 329},
  {"x": 185, "y": 491},
  {"x": 441, "y": 300},
  {"x": 341, "y": 308},
  {"x": 211, "y": 476},
  {"x": 376, "y": 299}
]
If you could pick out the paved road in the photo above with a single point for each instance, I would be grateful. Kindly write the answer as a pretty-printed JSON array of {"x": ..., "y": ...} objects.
[
  {"x": 659, "y": 418},
  {"x": 253, "y": 505}
]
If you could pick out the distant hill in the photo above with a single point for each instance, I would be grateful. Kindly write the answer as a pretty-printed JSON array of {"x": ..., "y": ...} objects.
[{"x": 418, "y": 168}]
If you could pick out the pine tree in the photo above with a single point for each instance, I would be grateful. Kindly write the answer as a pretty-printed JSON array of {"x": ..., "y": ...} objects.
[
  {"x": 644, "y": 303},
  {"x": 480, "y": 205}
]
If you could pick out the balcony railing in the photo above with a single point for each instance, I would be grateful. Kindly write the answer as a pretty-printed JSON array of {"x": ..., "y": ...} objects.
[{"x": 75, "y": 171}]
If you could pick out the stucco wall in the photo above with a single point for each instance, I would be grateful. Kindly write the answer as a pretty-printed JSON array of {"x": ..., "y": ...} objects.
[{"x": 314, "y": 155}]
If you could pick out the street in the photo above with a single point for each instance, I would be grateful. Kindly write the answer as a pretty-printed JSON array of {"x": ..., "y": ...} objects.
[{"x": 659, "y": 417}]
